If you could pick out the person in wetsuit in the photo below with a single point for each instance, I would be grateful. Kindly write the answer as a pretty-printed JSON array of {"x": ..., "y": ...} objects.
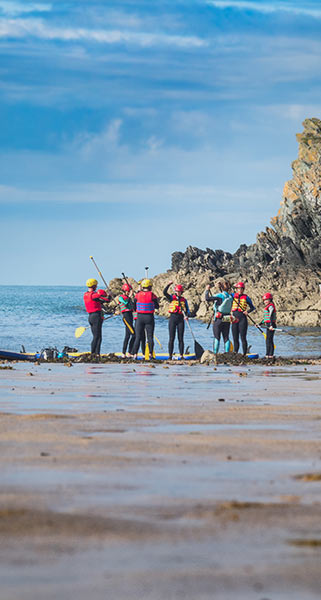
[
  {"x": 241, "y": 307},
  {"x": 269, "y": 321},
  {"x": 94, "y": 300},
  {"x": 178, "y": 310},
  {"x": 145, "y": 304},
  {"x": 126, "y": 310},
  {"x": 222, "y": 308}
]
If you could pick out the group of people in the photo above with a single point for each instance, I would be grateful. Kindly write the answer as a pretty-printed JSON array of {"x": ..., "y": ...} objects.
[{"x": 230, "y": 309}]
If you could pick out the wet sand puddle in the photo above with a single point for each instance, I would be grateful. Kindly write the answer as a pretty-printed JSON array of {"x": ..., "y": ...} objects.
[{"x": 93, "y": 387}]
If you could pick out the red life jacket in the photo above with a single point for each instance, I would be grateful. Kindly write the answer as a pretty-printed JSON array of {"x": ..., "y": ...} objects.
[
  {"x": 91, "y": 301},
  {"x": 177, "y": 305},
  {"x": 269, "y": 316},
  {"x": 144, "y": 302},
  {"x": 124, "y": 303}
]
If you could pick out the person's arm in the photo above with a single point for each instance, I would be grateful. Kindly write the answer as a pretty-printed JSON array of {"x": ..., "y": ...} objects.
[
  {"x": 209, "y": 298},
  {"x": 188, "y": 312},
  {"x": 250, "y": 304},
  {"x": 155, "y": 300},
  {"x": 165, "y": 292}
]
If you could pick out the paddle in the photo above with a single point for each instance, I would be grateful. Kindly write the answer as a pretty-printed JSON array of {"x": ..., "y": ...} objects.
[
  {"x": 80, "y": 330},
  {"x": 198, "y": 349},
  {"x": 106, "y": 285}
]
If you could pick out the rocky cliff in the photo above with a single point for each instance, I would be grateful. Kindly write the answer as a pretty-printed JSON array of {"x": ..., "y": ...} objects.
[{"x": 286, "y": 258}]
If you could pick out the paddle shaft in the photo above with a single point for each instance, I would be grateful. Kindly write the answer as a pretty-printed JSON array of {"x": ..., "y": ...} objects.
[{"x": 101, "y": 275}]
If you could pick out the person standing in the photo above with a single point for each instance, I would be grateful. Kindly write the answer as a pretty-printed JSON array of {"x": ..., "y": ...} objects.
[
  {"x": 145, "y": 304},
  {"x": 269, "y": 321},
  {"x": 178, "y": 310},
  {"x": 94, "y": 300},
  {"x": 126, "y": 310},
  {"x": 241, "y": 307},
  {"x": 222, "y": 308}
]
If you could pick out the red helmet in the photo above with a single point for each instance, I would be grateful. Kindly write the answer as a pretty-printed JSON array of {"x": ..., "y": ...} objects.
[
  {"x": 126, "y": 287},
  {"x": 179, "y": 288},
  {"x": 267, "y": 296},
  {"x": 240, "y": 284}
]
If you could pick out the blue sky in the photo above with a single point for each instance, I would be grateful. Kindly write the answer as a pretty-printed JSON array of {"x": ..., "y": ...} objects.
[{"x": 131, "y": 129}]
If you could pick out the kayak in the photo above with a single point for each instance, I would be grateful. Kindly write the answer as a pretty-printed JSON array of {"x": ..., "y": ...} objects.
[
  {"x": 253, "y": 355},
  {"x": 8, "y": 355}
]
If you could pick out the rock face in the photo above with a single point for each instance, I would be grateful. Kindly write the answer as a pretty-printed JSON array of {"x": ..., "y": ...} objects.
[{"x": 286, "y": 258}]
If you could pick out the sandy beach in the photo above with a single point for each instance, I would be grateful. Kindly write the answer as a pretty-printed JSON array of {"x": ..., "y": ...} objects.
[{"x": 160, "y": 482}]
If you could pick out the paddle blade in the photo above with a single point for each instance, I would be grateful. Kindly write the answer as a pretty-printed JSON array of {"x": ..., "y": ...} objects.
[
  {"x": 79, "y": 331},
  {"x": 146, "y": 351},
  {"x": 198, "y": 349},
  {"x": 231, "y": 347}
]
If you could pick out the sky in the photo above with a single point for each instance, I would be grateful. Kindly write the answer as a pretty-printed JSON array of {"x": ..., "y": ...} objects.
[{"x": 133, "y": 129}]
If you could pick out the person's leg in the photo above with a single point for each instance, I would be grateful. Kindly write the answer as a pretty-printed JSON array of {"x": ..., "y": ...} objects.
[
  {"x": 217, "y": 334},
  {"x": 96, "y": 324},
  {"x": 236, "y": 332},
  {"x": 180, "y": 334},
  {"x": 243, "y": 332},
  {"x": 171, "y": 331},
  {"x": 138, "y": 332},
  {"x": 128, "y": 335},
  {"x": 149, "y": 328},
  {"x": 225, "y": 333},
  {"x": 269, "y": 342}
]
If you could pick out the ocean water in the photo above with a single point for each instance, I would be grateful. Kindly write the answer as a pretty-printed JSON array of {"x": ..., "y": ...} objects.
[{"x": 40, "y": 317}]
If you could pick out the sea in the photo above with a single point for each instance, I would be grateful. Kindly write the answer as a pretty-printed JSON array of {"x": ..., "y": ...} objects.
[{"x": 38, "y": 317}]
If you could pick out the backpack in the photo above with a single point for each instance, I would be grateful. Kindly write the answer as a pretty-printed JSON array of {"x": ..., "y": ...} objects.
[{"x": 226, "y": 304}]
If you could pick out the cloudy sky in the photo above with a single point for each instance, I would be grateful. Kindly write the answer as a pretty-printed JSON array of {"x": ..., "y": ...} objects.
[{"x": 131, "y": 129}]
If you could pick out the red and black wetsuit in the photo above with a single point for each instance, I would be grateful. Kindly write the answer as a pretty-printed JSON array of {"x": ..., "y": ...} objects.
[
  {"x": 93, "y": 302},
  {"x": 145, "y": 304},
  {"x": 178, "y": 306}
]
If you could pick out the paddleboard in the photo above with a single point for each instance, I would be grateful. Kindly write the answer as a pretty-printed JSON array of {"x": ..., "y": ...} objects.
[
  {"x": 253, "y": 355},
  {"x": 163, "y": 356}
]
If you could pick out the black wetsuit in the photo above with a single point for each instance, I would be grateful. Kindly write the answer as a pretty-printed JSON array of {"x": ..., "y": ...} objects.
[
  {"x": 145, "y": 322},
  {"x": 175, "y": 324},
  {"x": 96, "y": 322},
  {"x": 129, "y": 336},
  {"x": 239, "y": 328}
]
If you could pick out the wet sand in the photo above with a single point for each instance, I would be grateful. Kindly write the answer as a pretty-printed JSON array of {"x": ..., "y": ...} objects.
[{"x": 160, "y": 482}]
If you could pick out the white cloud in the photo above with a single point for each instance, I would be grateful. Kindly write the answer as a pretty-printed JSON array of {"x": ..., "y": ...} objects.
[
  {"x": 18, "y": 8},
  {"x": 268, "y": 7},
  {"x": 22, "y": 28}
]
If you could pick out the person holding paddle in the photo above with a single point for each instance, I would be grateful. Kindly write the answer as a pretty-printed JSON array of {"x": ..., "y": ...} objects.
[
  {"x": 94, "y": 300},
  {"x": 241, "y": 307},
  {"x": 126, "y": 309},
  {"x": 178, "y": 310},
  {"x": 269, "y": 321},
  {"x": 145, "y": 304},
  {"x": 222, "y": 308}
]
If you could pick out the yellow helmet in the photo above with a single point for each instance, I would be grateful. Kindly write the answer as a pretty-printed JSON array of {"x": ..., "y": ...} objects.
[
  {"x": 91, "y": 282},
  {"x": 146, "y": 283}
]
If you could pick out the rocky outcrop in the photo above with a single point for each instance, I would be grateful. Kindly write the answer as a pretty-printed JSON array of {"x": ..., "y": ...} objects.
[{"x": 286, "y": 258}]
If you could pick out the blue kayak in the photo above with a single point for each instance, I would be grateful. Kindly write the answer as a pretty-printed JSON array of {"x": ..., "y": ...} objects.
[{"x": 8, "y": 355}]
